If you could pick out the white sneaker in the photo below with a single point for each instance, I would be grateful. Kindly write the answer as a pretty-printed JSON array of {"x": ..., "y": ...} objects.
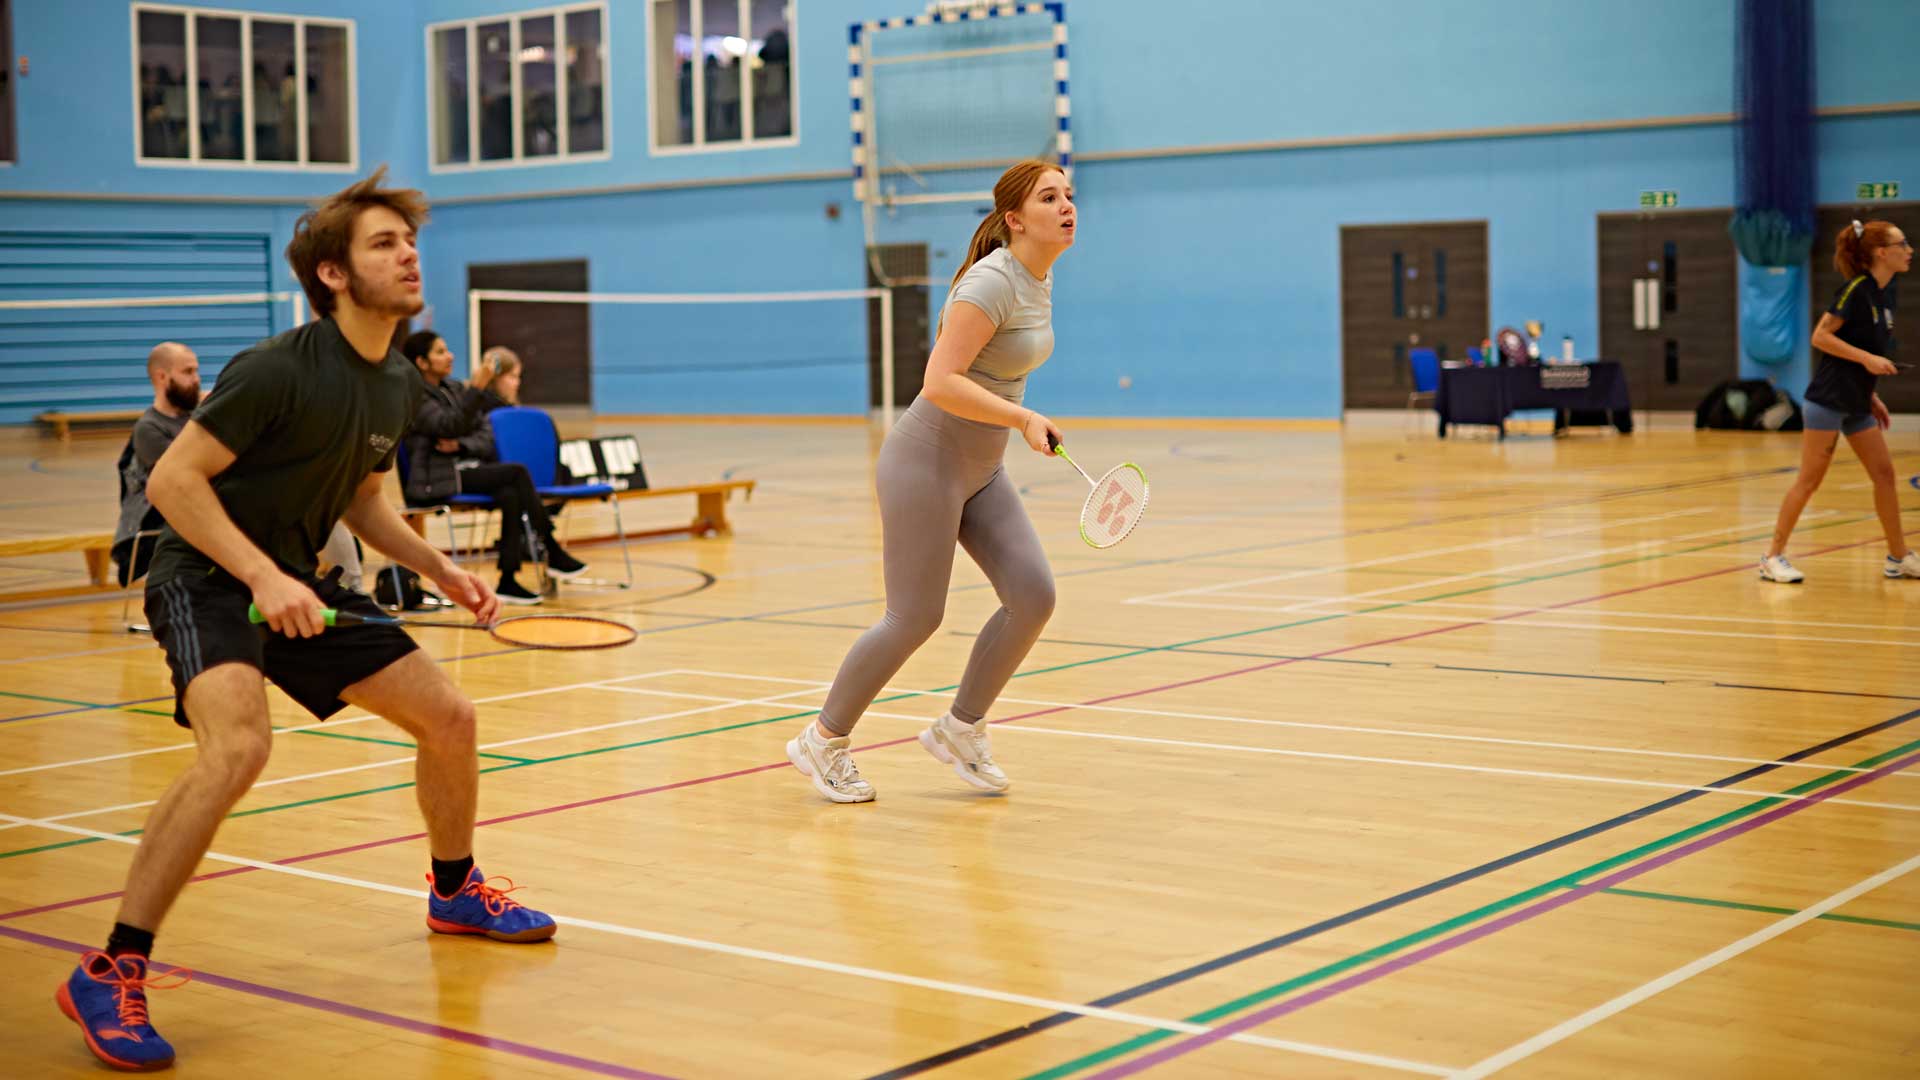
[
  {"x": 964, "y": 746},
  {"x": 1777, "y": 568},
  {"x": 1907, "y": 567},
  {"x": 829, "y": 764}
]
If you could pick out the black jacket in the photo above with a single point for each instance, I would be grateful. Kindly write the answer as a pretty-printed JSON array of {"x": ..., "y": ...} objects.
[{"x": 452, "y": 410}]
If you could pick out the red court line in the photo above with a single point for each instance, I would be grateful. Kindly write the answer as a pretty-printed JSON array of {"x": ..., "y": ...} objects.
[{"x": 750, "y": 770}]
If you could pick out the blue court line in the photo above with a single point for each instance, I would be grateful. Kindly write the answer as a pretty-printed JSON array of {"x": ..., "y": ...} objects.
[{"x": 1002, "y": 1038}]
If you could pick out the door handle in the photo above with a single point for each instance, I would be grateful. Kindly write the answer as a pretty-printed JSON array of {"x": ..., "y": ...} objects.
[{"x": 1640, "y": 303}]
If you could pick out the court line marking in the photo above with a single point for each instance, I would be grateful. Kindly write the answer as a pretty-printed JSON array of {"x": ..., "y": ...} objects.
[
  {"x": 1478, "y": 545},
  {"x": 1415, "y": 616},
  {"x": 1342, "y": 728},
  {"x": 1464, "y": 605},
  {"x": 1113, "y": 697},
  {"x": 791, "y": 960},
  {"x": 1494, "y": 926},
  {"x": 1135, "y": 693},
  {"x": 409, "y": 759},
  {"x": 383, "y": 1019},
  {"x": 331, "y": 724}
]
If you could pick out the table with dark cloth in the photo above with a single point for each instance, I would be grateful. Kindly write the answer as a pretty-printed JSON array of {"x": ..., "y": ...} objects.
[{"x": 1591, "y": 393}]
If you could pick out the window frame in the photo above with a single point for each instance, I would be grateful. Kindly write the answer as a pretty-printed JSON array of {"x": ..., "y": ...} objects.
[
  {"x": 193, "y": 160},
  {"x": 11, "y": 146},
  {"x": 520, "y": 159},
  {"x": 697, "y": 9}
]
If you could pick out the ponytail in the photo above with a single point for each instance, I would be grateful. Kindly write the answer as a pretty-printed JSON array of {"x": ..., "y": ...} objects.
[
  {"x": 991, "y": 234},
  {"x": 1853, "y": 248}
]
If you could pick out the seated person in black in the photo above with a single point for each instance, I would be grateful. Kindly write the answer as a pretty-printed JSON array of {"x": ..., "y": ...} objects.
[{"x": 450, "y": 451}]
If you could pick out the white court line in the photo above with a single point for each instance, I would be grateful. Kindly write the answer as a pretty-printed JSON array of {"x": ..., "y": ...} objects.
[
  {"x": 1523, "y": 621},
  {"x": 363, "y": 767},
  {"x": 1464, "y": 605},
  {"x": 1531, "y": 774},
  {"x": 1356, "y": 758},
  {"x": 333, "y": 724},
  {"x": 1481, "y": 545},
  {"x": 1525, "y": 1049},
  {"x": 789, "y": 960},
  {"x": 1476, "y": 575},
  {"x": 1342, "y": 728},
  {"x": 1516, "y": 568}
]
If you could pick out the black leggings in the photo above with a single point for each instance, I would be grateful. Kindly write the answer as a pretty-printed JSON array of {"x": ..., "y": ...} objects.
[{"x": 510, "y": 486}]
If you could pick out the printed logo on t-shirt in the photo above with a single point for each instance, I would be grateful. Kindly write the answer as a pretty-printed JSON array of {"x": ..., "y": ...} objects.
[{"x": 380, "y": 442}]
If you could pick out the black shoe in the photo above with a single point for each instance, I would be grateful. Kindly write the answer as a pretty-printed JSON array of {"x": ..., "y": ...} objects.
[
  {"x": 510, "y": 592},
  {"x": 562, "y": 565}
]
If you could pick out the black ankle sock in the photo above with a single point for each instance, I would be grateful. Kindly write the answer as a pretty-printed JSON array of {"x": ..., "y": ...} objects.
[
  {"x": 450, "y": 874},
  {"x": 129, "y": 939}
]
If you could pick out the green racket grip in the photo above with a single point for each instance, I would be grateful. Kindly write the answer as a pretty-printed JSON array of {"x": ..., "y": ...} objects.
[{"x": 330, "y": 615}]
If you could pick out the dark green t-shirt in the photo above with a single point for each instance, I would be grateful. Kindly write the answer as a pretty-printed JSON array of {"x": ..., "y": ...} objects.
[{"x": 307, "y": 419}]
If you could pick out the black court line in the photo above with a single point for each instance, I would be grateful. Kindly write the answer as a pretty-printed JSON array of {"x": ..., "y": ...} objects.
[{"x": 958, "y": 1053}]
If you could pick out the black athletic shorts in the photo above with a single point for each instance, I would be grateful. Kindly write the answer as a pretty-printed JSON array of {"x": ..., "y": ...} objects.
[{"x": 201, "y": 620}]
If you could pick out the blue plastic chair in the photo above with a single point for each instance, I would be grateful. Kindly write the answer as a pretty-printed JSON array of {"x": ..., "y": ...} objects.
[
  {"x": 528, "y": 437},
  {"x": 1426, "y": 374},
  {"x": 481, "y": 505}
]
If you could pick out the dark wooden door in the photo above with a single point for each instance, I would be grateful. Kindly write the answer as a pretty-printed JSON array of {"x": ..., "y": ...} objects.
[
  {"x": 1402, "y": 286},
  {"x": 1668, "y": 303},
  {"x": 553, "y": 340},
  {"x": 1901, "y": 392},
  {"x": 906, "y": 264}
]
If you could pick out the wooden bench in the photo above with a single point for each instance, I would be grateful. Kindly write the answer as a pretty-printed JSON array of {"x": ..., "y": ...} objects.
[
  {"x": 95, "y": 548},
  {"x": 710, "y": 506},
  {"x": 62, "y": 422},
  {"x": 709, "y": 510}
]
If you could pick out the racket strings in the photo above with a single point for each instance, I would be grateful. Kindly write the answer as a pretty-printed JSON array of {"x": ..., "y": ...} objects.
[{"x": 1114, "y": 506}]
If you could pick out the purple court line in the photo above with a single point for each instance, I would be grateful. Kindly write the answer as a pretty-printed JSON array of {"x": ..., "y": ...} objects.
[
  {"x": 356, "y": 1012},
  {"x": 86, "y": 708},
  {"x": 750, "y": 770},
  {"x": 1486, "y": 929}
]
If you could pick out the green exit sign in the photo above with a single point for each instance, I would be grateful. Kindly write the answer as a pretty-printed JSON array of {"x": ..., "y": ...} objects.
[
  {"x": 1659, "y": 198},
  {"x": 1887, "y": 190}
]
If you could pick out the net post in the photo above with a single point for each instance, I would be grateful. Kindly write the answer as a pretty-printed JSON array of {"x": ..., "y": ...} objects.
[{"x": 886, "y": 358}]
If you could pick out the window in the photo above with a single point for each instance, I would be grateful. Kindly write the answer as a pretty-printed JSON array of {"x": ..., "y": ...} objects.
[
  {"x": 722, "y": 73},
  {"x": 6, "y": 82},
  {"x": 522, "y": 89},
  {"x": 236, "y": 88}
]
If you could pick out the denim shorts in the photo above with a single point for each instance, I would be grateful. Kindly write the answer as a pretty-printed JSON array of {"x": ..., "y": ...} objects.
[{"x": 1818, "y": 417}]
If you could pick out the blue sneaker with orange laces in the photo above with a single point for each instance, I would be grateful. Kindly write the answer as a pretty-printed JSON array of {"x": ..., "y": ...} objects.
[
  {"x": 108, "y": 999},
  {"x": 480, "y": 907}
]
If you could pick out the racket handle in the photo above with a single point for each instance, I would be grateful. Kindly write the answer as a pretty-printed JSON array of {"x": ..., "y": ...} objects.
[
  {"x": 330, "y": 615},
  {"x": 1053, "y": 443}
]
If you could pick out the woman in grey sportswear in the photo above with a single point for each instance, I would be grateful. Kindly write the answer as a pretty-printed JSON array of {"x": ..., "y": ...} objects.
[{"x": 940, "y": 480}]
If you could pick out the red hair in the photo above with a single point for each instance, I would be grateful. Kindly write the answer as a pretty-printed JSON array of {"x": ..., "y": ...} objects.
[{"x": 1853, "y": 249}]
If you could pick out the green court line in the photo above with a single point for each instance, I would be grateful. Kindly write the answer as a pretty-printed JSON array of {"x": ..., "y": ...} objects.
[
  {"x": 1023, "y": 674},
  {"x": 1768, "y": 909},
  {"x": 1381, "y": 952},
  {"x": 56, "y": 700},
  {"x": 395, "y": 742}
]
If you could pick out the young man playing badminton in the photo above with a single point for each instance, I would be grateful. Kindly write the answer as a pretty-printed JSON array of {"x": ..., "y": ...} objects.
[
  {"x": 940, "y": 480},
  {"x": 297, "y": 434}
]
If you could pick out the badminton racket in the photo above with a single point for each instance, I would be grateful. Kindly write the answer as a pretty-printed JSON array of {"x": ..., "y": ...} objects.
[
  {"x": 1115, "y": 503},
  {"x": 525, "y": 631}
]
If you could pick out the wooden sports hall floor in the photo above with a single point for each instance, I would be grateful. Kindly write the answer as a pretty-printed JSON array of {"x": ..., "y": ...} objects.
[{"x": 1366, "y": 756}]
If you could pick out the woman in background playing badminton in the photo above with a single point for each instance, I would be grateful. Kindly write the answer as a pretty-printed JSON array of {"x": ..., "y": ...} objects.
[
  {"x": 940, "y": 480},
  {"x": 1855, "y": 339}
]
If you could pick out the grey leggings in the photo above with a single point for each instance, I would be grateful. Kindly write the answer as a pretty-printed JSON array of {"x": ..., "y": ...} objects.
[{"x": 940, "y": 479}]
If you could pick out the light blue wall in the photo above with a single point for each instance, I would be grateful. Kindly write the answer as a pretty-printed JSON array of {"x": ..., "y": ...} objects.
[{"x": 1211, "y": 280}]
